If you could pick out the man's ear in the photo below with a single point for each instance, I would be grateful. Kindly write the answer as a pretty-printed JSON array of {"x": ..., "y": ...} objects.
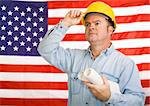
[{"x": 110, "y": 30}]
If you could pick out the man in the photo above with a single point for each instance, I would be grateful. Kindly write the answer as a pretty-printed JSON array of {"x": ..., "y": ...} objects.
[{"x": 99, "y": 22}]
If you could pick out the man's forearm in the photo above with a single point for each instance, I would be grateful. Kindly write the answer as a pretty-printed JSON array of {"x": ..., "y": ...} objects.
[
  {"x": 52, "y": 39},
  {"x": 126, "y": 99}
]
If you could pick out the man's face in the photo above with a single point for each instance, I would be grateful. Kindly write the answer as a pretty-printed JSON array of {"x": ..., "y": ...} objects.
[{"x": 97, "y": 29}]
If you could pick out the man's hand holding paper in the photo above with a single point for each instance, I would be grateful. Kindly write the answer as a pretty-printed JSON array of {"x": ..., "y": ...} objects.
[{"x": 100, "y": 86}]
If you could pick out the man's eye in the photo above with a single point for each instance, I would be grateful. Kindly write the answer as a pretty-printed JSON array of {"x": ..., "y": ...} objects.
[
  {"x": 87, "y": 24},
  {"x": 97, "y": 23}
]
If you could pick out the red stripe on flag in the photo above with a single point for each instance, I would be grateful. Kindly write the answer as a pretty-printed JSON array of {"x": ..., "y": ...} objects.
[
  {"x": 135, "y": 51},
  {"x": 119, "y": 19},
  {"x": 85, "y": 3},
  {"x": 147, "y": 101},
  {"x": 33, "y": 85},
  {"x": 48, "y": 68},
  {"x": 116, "y": 36},
  {"x": 47, "y": 85},
  {"x": 74, "y": 37},
  {"x": 133, "y": 18},
  {"x": 29, "y": 68},
  {"x": 41, "y": 102},
  {"x": 143, "y": 66},
  {"x": 145, "y": 83},
  {"x": 33, "y": 102},
  {"x": 54, "y": 20},
  {"x": 131, "y": 35}
]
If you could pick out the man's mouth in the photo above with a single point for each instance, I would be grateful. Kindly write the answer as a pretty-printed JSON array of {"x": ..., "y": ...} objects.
[{"x": 92, "y": 33}]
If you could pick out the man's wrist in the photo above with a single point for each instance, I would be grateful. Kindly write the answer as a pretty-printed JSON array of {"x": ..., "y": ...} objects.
[
  {"x": 65, "y": 23},
  {"x": 108, "y": 101}
]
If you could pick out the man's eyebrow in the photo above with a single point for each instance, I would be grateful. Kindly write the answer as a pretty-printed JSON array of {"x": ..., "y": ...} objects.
[{"x": 93, "y": 21}]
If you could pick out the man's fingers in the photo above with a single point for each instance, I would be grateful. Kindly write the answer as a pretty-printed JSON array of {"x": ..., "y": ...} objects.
[
  {"x": 87, "y": 83},
  {"x": 78, "y": 13},
  {"x": 72, "y": 13},
  {"x": 105, "y": 80},
  {"x": 75, "y": 13},
  {"x": 90, "y": 85}
]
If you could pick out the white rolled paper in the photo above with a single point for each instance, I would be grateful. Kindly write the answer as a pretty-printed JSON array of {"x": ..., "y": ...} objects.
[{"x": 92, "y": 76}]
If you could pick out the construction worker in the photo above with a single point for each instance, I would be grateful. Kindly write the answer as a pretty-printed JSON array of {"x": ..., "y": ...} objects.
[{"x": 110, "y": 64}]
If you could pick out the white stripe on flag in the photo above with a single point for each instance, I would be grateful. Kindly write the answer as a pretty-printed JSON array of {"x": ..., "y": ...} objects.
[
  {"x": 145, "y": 42},
  {"x": 48, "y": 77},
  {"x": 28, "y": 60},
  {"x": 74, "y": 44},
  {"x": 119, "y": 11},
  {"x": 132, "y": 10},
  {"x": 125, "y": 27},
  {"x": 23, "y": 60},
  {"x": 147, "y": 91},
  {"x": 10, "y": 93},
  {"x": 33, "y": 77},
  {"x": 145, "y": 58},
  {"x": 134, "y": 26},
  {"x": 132, "y": 43},
  {"x": 144, "y": 75}
]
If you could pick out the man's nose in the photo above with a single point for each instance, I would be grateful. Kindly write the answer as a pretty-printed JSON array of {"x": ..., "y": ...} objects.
[{"x": 92, "y": 27}]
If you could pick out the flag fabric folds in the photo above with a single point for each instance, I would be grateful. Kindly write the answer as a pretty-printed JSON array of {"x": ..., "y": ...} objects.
[{"x": 26, "y": 79}]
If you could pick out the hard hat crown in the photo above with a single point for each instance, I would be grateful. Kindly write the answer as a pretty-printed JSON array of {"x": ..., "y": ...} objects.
[{"x": 100, "y": 7}]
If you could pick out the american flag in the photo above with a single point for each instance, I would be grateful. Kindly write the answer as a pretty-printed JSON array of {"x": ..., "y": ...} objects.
[{"x": 26, "y": 79}]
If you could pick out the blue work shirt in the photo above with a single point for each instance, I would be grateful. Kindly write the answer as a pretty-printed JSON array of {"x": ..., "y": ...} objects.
[{"x": 110, "y": 63}]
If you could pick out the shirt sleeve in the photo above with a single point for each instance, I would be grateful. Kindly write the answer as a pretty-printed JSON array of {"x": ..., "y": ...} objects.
[
  {"x": 50, "y": 50},
  {"x": 132, "y": 94}
]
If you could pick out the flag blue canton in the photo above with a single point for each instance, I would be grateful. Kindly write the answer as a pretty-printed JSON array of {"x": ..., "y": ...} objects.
[{"x": 22, "y": 27}]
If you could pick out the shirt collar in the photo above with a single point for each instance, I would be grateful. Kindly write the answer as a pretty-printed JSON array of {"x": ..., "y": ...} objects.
[{"x": 105, "y": 52}]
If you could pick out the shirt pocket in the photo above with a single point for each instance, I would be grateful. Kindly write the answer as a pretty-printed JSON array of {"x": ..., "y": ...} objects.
[
  {"x": 75, "y": 83},
  {"x": 111, "y": 77}
]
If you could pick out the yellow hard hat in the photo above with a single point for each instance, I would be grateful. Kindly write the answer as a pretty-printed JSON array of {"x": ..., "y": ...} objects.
[{"x": 100, "y": 7}]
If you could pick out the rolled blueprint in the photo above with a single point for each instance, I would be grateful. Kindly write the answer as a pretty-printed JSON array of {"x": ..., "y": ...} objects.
[{"x": 92, "y": 76}]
